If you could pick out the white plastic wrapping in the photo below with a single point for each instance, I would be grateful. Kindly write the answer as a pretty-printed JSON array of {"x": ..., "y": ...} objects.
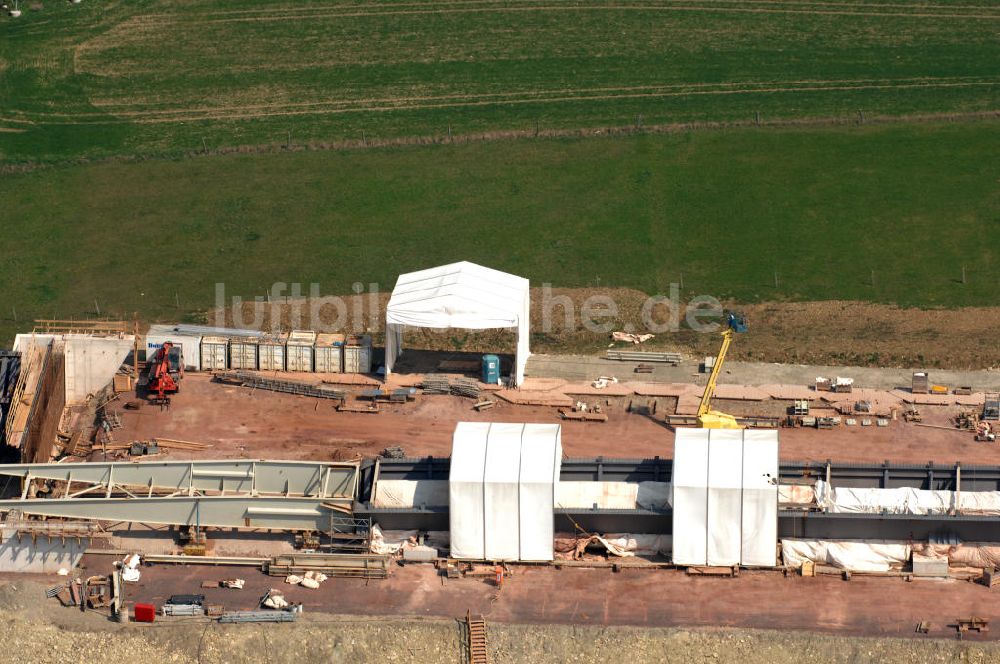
[
  {"x": 906, "y": 500},
  {"x": 410, "y": 493},
  {"x": 613, "y": 495},
  {"x": 980, "y": 502},
  {"x": 852, "y": 555}
]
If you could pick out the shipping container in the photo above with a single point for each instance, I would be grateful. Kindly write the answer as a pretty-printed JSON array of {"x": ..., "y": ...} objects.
[
  {"x": 243, "y": 353},
  {"x": 188, "y": 337},
  {"x": 271, "y": 352},
  {"x": 358, "y": 354},
  {"x": 329, "y": 353},
  {"x": 214, "y": 353},
  {"x": 299, "y": 350},
  {"x": 189, "y": 343}
]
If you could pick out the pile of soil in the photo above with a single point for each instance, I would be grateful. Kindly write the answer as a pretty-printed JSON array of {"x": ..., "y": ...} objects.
[{"x": 825, "y": 333}]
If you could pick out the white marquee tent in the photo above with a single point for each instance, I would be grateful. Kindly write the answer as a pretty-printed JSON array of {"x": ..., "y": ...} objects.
[
  {"x": 725, "y": 498},
  {"x": 463, "y": 295},
  {"x": 501, "y": 490}
]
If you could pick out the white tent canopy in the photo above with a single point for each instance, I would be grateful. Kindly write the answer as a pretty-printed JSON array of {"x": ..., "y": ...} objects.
[
  {"x": 463, "y": 295},
  {"x": 501, "y": 490}
]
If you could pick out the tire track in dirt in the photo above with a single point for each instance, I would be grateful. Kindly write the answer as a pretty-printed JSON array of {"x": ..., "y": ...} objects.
[
  {"x": 497, "y": 135},
  {"x": 113, "y": 107},
  {"x": 470, "y": 6},
  {"x": 337, "y": 107},
  {"x": 591, "y": 8}
]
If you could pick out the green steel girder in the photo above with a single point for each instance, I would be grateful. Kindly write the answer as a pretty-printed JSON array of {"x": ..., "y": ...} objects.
[{"x": 241, "y": 477}]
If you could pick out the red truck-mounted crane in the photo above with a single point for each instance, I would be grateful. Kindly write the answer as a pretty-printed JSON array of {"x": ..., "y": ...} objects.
[{"x": 161, "y": 375}]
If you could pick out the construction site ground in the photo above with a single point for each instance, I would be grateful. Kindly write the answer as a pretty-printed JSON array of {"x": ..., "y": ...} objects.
[
  {"x": 541, "y": 615},
  {"x": 581, "y": 367},
  {"x": 239, "y": 422}
]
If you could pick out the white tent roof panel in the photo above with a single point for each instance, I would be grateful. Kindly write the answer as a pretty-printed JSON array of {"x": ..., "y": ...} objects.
[
  {"x": 541, "y": 461},
  {"x": 725, "y": 475},
  {"x": 501, "y": 492},
  {"x": 760, "y": 498},
  {"x": 690, "y": 499},
  {"x": 465, "y": 490}
]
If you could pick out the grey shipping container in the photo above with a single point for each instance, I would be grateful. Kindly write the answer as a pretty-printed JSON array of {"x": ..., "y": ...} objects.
[
  {"x": 271, "y": 353},
  {"x": 243, "y": 353},
  {"x": 358, "y": 355},
  {"x": 299, "y": 351},
  {"x": 328, "y": 355},
  {"x": 214, "y": 353}
]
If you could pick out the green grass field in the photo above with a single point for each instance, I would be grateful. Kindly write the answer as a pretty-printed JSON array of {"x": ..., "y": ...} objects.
[
  {"x": 102, "y": 104},
  {"x": 726, "y": 209},
  {"x": 161, "y": 77}
]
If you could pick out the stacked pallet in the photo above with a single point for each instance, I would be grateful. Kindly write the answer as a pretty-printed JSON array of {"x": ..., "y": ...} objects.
[
  {"x": 433, "y": 384},
  {"x": 465, "y": 387}
]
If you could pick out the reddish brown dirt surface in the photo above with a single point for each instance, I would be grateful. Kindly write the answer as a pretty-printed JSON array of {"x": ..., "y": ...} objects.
[
  {"x": 648, "y": 598},
  {"x": 240, "y": 423}
]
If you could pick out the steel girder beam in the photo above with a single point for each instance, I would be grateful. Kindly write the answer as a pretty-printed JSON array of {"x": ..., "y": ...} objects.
[
  {"x": 191, "y": 478},
  {"x": 293, "y": 513},
  {"x": 868, "y": 475}
]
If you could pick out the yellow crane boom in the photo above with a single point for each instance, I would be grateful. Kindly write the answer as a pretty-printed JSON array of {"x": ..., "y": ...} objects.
[{"x": 713, "y": 419}]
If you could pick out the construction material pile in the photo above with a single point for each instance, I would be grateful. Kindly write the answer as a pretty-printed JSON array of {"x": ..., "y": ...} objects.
[
  {"x": 246, "y": 379},
  {"x": 463, "y": 387}
]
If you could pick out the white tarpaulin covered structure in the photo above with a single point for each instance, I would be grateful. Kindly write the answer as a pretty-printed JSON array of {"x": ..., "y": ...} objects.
[
  {"x": 725, "y": 497},
  {"x": 853, "y": 555},
  {"x": 501, "y": 490},
  {"x": 463, "y": 295},
  {"x": 906, "y": 500}
]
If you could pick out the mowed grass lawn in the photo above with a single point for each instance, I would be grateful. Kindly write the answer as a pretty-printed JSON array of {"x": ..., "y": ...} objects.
[
  {"x": 725, "y": 208},
  {"x": 168, "y": 76}
]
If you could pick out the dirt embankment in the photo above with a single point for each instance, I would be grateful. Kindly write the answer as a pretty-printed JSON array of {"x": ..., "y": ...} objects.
[{"x": 579, "y": 321}]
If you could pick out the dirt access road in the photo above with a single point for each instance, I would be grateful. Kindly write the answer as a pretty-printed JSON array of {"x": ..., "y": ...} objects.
[
  {"x": 541, "y": 616},
  {"x": 242, "y": 423},
  {"x": 835, "y": 333}
]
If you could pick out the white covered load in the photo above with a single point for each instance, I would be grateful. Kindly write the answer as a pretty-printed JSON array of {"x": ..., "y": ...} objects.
[
  {"x": 725, "y": 497},
  {"x": 501, "y": 490},
  {"x": 463, "y": 295}
]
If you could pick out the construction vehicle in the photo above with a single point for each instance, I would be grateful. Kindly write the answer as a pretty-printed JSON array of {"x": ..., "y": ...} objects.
[
  {"x": 713, "y": 419},
  {"x": 991, "y": 407},
  {"x": 984, "y": 433},
  {"x": 163, "y": 373}
]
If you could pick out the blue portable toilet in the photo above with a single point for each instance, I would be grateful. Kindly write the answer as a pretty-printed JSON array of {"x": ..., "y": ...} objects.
[{"x": 491, "y": 369}]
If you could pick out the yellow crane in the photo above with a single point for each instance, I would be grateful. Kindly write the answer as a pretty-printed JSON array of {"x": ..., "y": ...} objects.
[{"x": 713, "y": 419}]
